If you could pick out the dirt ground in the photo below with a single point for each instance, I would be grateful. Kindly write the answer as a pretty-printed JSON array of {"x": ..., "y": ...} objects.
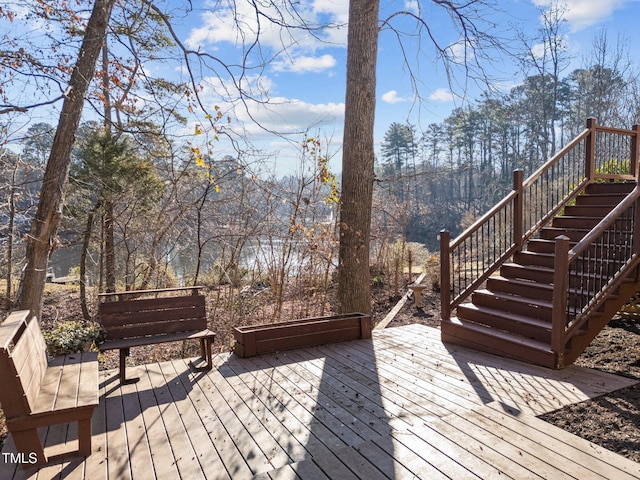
[{"x": 611, "y": 421}]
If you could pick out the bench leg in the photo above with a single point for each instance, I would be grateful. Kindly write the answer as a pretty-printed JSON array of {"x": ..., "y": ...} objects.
[
  {"x": 205, "y": 352},
  {"x": 28, "y": 443},
  {"x": 84, "y": 437},
  {"x": 124, "y": 353}
]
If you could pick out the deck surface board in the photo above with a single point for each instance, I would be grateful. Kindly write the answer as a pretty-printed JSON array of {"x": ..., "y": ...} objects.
[{"x": 400, "y": 405}]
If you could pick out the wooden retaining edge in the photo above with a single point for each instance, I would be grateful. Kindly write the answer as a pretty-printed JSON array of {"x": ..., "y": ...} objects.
[
  {"x": 253, "y": 340},
  {"x": 394, "y": 311}
]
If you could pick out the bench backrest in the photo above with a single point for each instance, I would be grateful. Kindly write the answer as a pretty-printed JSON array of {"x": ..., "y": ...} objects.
[
  {"x": 23, "y": 363},
  {"x": 153, "y": 316}
]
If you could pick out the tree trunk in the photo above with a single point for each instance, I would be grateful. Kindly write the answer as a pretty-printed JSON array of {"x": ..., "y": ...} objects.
[
  {"x": 47, "y": 220},
  {"x": 109, "y": 246},
  {"x": 86, "y": 240},
  {"x": 354, "y": 283},
  {"x": 10, "y": 235}
]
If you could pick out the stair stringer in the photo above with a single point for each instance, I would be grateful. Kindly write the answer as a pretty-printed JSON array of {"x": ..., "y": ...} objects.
[{"x": 579, "y": 343}]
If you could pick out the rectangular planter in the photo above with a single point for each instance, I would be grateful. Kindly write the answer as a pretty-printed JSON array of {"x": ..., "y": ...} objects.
[{"x": 306, "y": 332}]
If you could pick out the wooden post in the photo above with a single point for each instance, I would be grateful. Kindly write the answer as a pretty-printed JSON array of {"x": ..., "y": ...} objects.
[
  {"x": 518, "y": 209},
  {"x": 445, "y": 275},
  {"x": 590, "y": 150},
  {"x": 633, "y": 159},
  {"x": 560, "y": 290}
]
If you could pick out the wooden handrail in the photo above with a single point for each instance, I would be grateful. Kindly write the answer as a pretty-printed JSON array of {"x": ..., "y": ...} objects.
[
  {"x": 556, "y": 158},
  {"x": 599, "y": 229}
]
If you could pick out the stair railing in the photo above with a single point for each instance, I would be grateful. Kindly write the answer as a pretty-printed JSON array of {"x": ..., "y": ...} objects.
[
  {"x": 585, "y": 275},
  {"x": 467, "y": 261}
]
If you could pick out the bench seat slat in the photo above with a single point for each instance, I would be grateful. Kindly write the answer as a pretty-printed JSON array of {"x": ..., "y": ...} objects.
[{"x": 151, "y": 339}]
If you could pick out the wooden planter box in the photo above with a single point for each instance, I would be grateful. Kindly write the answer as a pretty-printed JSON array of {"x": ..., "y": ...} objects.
[{"x": 256, "y": 339}]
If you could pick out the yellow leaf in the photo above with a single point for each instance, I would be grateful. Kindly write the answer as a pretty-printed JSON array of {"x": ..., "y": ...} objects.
[
  {"x": 198, "y": 130},
  {"x": 217, "y": 189},
  {"x": 208, "y": 116}
]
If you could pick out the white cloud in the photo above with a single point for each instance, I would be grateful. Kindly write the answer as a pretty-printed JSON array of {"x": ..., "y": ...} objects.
[
  {"x": 584, "y": 13},
  {"x": 442, "y": 95},
  {"x": 303, "y": 64},
  {"x": 239, "y": 23},
  {"x": 392, "y": 97},
  {"x": 293, "y": 115},
  {"x": 412, "y": 6}
]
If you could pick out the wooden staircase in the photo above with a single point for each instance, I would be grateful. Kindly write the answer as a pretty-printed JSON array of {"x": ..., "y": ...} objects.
[{"x": 555, "y": 286}]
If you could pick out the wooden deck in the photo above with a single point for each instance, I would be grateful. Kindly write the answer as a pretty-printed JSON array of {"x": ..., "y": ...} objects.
[{"x": 401, "y": 405}]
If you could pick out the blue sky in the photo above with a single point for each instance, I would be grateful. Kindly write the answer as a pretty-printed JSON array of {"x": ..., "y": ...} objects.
[{"x": 306, "y": 84}]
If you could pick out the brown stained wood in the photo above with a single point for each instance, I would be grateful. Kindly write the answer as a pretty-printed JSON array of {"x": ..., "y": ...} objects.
[
  {"x": 300, "y": 414},
  {"x": 133, "y": 323},
  {"x": 280, "y": 336},
  {"x": 137, "y": 445},
  {"x": 156, "y": 291},
  {"x": 37, "y": 394}
]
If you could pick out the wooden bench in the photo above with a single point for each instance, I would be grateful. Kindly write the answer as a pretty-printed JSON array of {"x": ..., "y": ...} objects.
[
  {"x": 132, "y": 321},
  {"x": 36, "y": 392}
]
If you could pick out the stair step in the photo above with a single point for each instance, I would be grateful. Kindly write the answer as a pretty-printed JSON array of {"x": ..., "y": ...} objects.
[
  {"x": 577, "y": 223},
  {"x": 534, "y": 258},
  {"x": 610, "y": 188},
  {"x": 522, "y": 288},
  {"x": 599, "y": 211},
  {"x": 518, "y": 324},
  {"x": 602, "y": 199},
  {"x": 527, "y": 272},
  {"x": 574, "y": 234},
  {"x": 543, "y": 245},
  {"x": 498, "y": 342},
  {"x": 513, "y": 304}
]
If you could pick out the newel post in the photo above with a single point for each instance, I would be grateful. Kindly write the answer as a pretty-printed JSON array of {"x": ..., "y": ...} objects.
[
  {"x": 560, "y": 290},
  {"x": 590, "y": 150},
  {"x": 445, "y": 275},
  {"x": 518, "y": 209},
  {"x": 633, "y": 159}
]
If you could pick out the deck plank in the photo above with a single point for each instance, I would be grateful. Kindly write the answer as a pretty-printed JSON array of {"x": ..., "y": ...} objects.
[
  {"x": 221, "y": 426},
  {"x": 162, "y": 457},
  {"x": 401, "y": 405},
  {"x": 184, "y": 455}
]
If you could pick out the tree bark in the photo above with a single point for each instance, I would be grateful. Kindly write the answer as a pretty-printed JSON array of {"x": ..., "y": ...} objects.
[
  {"x": 47, "y": 220},
  {"x": 358, "y": 158}
]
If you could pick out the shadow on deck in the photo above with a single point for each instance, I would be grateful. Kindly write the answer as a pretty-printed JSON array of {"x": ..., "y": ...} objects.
[{"x": 401, "y": 405}]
